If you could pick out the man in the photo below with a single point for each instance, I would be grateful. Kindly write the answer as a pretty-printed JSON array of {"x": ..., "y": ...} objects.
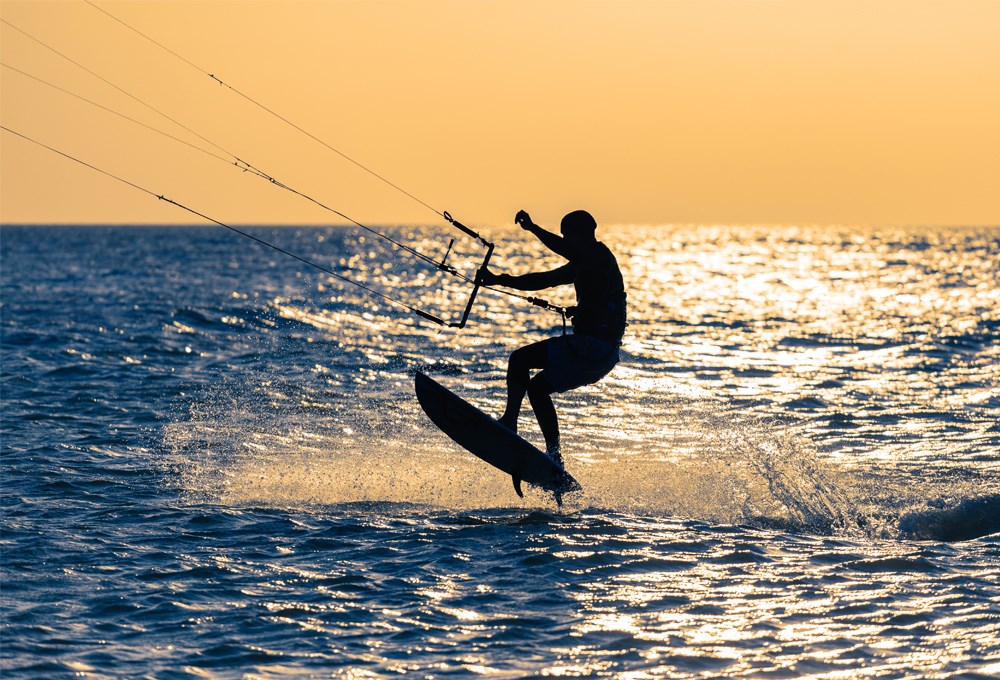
[{"x": 591, "y": 351}]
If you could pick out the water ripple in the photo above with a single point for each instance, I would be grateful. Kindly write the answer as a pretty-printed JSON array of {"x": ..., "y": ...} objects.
[{"x": 219, "y": 470}]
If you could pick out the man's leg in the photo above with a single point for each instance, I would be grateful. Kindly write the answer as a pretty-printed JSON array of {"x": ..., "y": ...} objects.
[
  {"x": 519, "y": 376},
  {"x": 539, "y": 390}
]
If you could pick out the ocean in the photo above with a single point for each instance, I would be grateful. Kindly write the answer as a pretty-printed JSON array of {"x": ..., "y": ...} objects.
[{"x": 214, "y": 466}]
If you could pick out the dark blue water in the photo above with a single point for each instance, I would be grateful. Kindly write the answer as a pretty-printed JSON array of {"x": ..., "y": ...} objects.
[{"x": 213, "y": 464}]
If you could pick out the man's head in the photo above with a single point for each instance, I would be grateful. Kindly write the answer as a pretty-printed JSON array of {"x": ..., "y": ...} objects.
[{"x": 579, "y": 224}]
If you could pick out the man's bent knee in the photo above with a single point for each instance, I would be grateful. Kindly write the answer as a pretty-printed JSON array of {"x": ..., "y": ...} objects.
[{"x": 539, "y": 386}]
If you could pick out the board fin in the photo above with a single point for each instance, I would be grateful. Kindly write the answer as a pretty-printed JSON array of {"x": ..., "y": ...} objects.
[{"x": 517, "y": 485}]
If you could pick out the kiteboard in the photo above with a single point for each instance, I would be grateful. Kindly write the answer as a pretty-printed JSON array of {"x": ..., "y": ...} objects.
[{"x": 491, "y": 441}]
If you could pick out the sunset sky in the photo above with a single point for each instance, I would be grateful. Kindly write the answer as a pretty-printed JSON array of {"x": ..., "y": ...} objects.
[{"x": 705, "y": 111}]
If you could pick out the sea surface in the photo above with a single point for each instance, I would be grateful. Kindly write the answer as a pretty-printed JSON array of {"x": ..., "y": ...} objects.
[{"x": 213, "y": 464}]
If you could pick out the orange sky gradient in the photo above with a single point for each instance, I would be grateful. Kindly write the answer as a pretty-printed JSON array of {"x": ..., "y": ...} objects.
[{"x": 707, "y": 111}]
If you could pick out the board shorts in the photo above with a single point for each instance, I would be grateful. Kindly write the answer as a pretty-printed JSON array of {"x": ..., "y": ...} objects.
[{"x": 577, "y": 359}]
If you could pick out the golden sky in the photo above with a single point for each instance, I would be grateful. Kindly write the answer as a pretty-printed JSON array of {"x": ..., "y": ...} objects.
[{"x": 718, "y": 111}]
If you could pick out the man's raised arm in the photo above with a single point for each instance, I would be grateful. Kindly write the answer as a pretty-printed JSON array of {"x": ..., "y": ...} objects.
[{"x": 553, "y": 242}]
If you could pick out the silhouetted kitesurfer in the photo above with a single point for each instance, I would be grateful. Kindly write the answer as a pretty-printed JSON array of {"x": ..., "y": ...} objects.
[{"x": 570, "y": 360}]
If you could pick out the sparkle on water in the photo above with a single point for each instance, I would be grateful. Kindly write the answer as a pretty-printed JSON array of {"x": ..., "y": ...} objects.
[{"x": 792, "y": 473}]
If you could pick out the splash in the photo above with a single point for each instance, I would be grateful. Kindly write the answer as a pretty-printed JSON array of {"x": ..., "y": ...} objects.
[
  {"x": 254, "y": 444},
  {"x": 782, "y": 476},
  {"x": 272, "y": 445},
  {"x": 733, "y": 470}
]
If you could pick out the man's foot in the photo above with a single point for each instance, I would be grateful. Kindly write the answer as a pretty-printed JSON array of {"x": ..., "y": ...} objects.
[
  {"x": 556, "y": 455},
  {"x": 509, "y": 423}
]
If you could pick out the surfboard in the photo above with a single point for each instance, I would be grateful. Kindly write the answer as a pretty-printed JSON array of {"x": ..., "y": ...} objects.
[{"x": 487, "y": 439}]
